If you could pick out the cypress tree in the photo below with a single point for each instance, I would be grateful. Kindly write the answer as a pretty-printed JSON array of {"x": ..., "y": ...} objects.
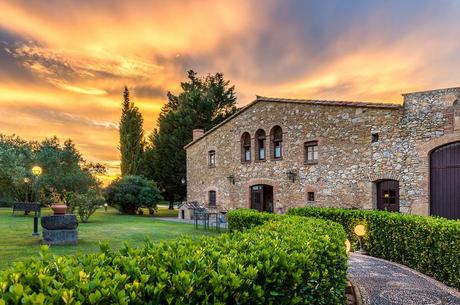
[{"x": 131, "y": 137}]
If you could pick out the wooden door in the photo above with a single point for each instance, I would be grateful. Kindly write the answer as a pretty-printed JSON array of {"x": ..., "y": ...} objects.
[
  {"x": 445, "y": 181},
  {"x": 388, "y": 195},
  {"x": 257, "y": 197}
]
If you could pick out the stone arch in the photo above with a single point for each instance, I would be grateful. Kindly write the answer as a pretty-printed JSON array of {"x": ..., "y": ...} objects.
[
  {"x": 273, "y": 183},
  {"x": 260, "y": 145},
  {"x": 276, "y": 138},
  {"x": 424, "y": 150},
  {"x": 375, "y": 178},
  {"x": 246, "y": 147}
]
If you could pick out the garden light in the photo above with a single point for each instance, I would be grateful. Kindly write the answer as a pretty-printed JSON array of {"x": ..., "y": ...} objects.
[
  {"x": 360, "y": 231},
  {"x": 347, "y": 246},
  {"x": 36, "y": 171}
]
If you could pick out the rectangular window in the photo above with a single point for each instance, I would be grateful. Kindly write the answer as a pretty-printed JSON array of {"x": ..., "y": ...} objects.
[
  {"x": 311, "y": 196},
  {"x": 277, "y": 151},
  {"x": 311, "y": 152},
  {"x": 261, "y": 149},
  {"x": 212, "y": 158},
  {"x": 212, "y": 198},
  {"x": 247, "y": 153},
  {"x": 375, "y": 137}
]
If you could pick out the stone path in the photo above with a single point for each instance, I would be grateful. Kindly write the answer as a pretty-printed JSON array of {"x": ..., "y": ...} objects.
[{"x": 379, "y": 282}]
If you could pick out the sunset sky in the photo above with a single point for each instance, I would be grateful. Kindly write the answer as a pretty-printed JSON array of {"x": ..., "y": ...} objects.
[{"x": 63, "y": 64}]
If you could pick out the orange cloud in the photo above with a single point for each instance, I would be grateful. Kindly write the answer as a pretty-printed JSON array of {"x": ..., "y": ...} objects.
[{"x": 68, "y": 62}]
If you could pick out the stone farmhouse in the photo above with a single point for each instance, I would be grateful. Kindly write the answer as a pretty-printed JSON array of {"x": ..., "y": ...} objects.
[{"x": 277, "y": 153}]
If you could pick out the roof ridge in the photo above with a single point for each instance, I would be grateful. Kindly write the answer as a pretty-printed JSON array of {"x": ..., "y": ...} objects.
[{"x": 325, "y": 101}]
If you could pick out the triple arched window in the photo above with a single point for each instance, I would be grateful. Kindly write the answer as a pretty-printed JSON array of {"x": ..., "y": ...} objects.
[{"x": 274, "y": 149}]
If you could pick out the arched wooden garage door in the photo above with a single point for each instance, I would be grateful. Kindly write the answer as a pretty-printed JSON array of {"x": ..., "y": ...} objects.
[{"x": 445, "y": 181}]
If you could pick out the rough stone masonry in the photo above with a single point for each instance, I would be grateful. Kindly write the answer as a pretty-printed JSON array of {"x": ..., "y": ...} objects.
[{"x": 359, "y": 146}]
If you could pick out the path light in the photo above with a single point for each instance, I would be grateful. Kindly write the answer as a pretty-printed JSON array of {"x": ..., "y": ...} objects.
[
  {"x": 347, "y": 246},
  {"x": 360, "y": 231},
  {"x": 105, "y": 207},
  {"x": 183, "y": 181},
  {"x": 36, "y": 171}
]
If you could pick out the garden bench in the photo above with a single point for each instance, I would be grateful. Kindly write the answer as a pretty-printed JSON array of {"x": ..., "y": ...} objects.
[{"x": 27, "y": 207}]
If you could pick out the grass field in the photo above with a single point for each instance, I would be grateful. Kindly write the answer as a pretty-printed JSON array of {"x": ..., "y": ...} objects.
[{"x": 17, "y": 242}]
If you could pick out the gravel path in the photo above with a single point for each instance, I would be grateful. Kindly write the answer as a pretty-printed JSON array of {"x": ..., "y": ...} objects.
[{"x": 379, "y": 282}]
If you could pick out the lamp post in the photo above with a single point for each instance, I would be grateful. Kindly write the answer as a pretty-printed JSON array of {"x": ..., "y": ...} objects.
[
  {"x": 36, "y": 171},
  {"x": 360, "y": 231},
  {"x": 26, "y": 181}
]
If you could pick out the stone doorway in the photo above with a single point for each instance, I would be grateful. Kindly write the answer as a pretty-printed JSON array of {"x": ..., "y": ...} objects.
[
  {"x": 445, "y": 181},
  {"x": 388, "y": 195},
  {"x": 262, "y": 197}
]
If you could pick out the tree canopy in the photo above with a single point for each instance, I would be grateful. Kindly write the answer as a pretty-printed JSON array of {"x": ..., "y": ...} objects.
[
  {"x": 131, "y": 137},
  {"x": 64, "y": 168},
  {"x": 203, "y": 103}
]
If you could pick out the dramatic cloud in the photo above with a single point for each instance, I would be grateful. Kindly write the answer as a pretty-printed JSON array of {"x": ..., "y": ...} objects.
[{"x": 63, "y": 63}]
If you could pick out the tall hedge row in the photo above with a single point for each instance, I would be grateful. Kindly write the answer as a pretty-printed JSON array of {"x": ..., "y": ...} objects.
[
  {"x": 427, "y": 244},
  {"x": 294, "y": 260}
]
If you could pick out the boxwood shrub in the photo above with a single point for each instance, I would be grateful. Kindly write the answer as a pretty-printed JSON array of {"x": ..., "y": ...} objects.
[
  {"x": 428, "y": 244},
  {"x": 292, "y": 260}
]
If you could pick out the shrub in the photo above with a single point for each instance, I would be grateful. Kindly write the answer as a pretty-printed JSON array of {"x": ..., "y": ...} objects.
[
  {"x": 130, "y": 193},
  {"x": 84, "y": 205},
  {"x": 293, "y": 260},
  {"x": 428, "y": 244}
]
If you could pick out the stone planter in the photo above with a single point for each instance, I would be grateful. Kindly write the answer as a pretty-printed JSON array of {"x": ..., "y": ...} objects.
[{"x": 59, "y": 209}]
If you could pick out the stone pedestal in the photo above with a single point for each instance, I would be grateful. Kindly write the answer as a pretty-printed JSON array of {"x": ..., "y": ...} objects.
[
  {"x": 60, "y": 229},
  {"x": 60, "y": 237}
]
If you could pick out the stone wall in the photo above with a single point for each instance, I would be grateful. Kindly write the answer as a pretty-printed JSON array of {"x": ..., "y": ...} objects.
[{"x": 349, "y": 163}]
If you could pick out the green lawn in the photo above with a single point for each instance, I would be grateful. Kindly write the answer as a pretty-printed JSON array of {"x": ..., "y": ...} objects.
[{"x": 17, "y": 243}]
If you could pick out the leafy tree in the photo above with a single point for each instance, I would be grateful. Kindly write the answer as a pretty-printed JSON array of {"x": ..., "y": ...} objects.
[
  {"x": 65, "y": 171},
  {"x": 130, "y": 193},
  {"x": 203, "y": 103},
  {"x": 131, "y": 137},
  {"x": 16, "y": 159}
]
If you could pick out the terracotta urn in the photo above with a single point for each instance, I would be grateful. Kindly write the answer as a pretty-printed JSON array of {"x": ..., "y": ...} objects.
[{"x": 59, "y": 209}]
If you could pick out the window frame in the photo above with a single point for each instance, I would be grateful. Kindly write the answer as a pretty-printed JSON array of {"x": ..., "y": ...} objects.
[
  {"x": 260, "y": 137},
  {"x": 246, "y": 147},
  {"x": 276, "y": 142},
  {"x": 212, "y": 158},
  {"x": 213, "y": 202},
  {"x": 307, "y": 145},
  {"x": 309, "y": 198}
]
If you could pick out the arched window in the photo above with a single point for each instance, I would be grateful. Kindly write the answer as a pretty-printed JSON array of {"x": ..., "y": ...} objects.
[
  {"x": 276, "y": 137},
  {"x": 260, "y": 145},
  {"x": 246, "y": 147},
  {"x": 456, "y": 115}
]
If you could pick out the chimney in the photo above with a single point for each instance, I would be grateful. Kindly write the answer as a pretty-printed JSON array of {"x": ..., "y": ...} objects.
[{"x": 197, "y": 133}]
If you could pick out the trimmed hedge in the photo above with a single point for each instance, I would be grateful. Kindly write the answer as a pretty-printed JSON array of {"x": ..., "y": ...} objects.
[
  {"x": 293, "y": 260},
  {"x": 428, "y": 244}
]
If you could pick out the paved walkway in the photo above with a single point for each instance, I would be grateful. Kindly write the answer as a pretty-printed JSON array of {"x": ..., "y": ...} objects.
[{"x": 380, "y": 282}]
